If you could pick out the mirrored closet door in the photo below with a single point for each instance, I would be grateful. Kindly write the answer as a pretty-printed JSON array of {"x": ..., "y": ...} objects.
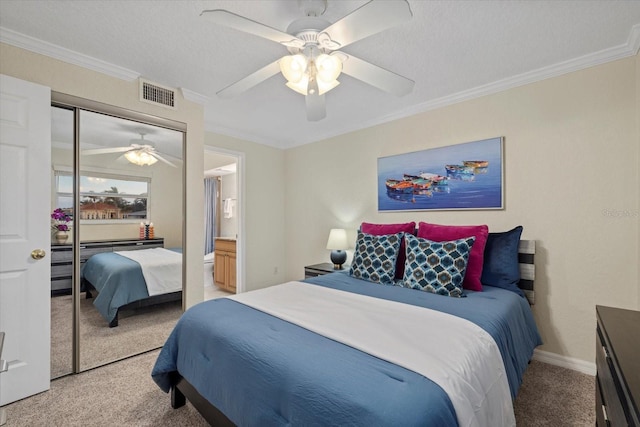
[
  {"x": 62, "y": 251},
  {"x": 120, "y": 183}
]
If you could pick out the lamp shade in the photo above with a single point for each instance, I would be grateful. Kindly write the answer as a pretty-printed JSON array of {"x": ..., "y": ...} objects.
[
  {"x": 293, "y": 67},
  {"x": 337, "y": 239},
  {"x": 328, "y": 67}
]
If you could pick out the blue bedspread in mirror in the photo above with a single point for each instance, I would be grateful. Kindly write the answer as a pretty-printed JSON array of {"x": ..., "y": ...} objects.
[{"x": 118, "y": 280}]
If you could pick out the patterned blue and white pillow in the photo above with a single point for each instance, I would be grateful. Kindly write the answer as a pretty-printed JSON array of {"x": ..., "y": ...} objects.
[
  {"x": 436, "y": 267},
  {"x": 375, "y": 257}
]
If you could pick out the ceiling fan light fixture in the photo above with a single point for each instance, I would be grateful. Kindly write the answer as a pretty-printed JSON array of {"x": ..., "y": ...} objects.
[
  {"x": 328, "y": 67},
  {"x": 324, "y": 87},
  {"x": 314, "y": 37},
  {"x": 293, "y": 67},
  {"x": 302, "y": 86},
  {"x": 140, "y": 158},
  {"x": 297, "y": 69}
]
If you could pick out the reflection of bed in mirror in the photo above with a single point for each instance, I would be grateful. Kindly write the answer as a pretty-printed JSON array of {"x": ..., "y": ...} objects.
[{"x": 132, "y": 279}]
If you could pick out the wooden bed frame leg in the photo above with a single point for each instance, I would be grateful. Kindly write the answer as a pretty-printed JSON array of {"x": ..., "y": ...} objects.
[
  {"x": 114, "y": 322},
  {"x": 177, "y": 398}
]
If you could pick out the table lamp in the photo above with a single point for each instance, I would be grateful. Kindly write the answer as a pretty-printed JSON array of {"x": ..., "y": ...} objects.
[{"x": 338, "y": 243}]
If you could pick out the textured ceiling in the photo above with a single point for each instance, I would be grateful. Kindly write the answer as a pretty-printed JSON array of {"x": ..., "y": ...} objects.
[{"x": 452, "y": 49}]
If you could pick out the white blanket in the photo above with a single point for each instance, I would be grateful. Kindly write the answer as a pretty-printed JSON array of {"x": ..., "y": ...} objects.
[
  {"x": 161, "y": 268},
  {"x": 456, "y": 354}
]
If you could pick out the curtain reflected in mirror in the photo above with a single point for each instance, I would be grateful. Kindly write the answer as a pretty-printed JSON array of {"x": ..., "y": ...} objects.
[{"x": 128, "y": 219}]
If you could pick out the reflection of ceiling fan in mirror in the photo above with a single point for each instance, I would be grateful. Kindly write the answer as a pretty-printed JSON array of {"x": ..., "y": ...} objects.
[
  {"x": 315, "y": 63},
  {"x": 140, "y": 152}
]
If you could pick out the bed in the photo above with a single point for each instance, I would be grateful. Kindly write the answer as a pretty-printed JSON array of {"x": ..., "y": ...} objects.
[
  {"x": 122, "y": 279},
  {"x": 242, "y": 362}
]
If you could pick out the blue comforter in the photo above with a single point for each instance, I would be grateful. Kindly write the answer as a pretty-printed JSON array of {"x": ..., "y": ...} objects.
[
  {"x": 118, "y": 280},
  {"x": 260, "y": 370}
]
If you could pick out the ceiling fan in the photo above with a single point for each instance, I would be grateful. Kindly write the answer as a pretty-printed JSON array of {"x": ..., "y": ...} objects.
[
  {"x": 315, "y": 62},
  {"x": 139, "y": 152}
]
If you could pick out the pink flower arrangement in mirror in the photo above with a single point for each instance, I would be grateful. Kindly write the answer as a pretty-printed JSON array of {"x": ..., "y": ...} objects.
[{"x": 60, "y": 220}]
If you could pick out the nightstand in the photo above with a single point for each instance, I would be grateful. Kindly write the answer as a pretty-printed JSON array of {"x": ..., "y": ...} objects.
[{"x": 320, "y": 269}]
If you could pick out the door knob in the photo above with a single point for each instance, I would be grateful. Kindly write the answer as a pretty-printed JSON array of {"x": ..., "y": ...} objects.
[{"x": 37, "y": 254}]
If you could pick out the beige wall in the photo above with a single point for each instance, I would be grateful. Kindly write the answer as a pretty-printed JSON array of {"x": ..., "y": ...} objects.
[
  {"x": 262, "y": 189},
  {"x": 571, "y": 169},
  {"x": 77, "y": 81},
  {"x": 572, "y": 155}
]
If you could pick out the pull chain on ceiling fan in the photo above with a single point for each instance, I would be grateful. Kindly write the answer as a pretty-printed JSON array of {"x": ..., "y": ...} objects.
[{"x": 315, "y": 62}]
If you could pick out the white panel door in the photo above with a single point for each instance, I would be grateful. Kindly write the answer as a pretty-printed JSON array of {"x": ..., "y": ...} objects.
[{"x": 25, "y": 202}]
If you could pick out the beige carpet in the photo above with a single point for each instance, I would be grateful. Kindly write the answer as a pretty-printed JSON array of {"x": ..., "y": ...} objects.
[
  {"x": 61, "y": 339},
  {"x": 554, "y": 396},
  {"x": 123, "y": 394},
  {"x": 119, "y": 394},
  {"x": 139, "y": 330}
]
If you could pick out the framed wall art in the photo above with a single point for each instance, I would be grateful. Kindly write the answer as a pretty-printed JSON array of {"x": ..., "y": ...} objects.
[{"x": 462, "y": 176}]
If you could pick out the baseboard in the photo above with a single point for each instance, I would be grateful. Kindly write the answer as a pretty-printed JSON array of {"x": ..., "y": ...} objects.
[{"x": 565, "y": 362}]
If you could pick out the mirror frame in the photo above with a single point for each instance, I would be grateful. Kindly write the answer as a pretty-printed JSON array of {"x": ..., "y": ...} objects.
[{"x": 76, "y": 103}]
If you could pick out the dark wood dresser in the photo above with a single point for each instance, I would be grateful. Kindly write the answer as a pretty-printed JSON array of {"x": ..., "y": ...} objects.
[{"x": 618, "y": 365}]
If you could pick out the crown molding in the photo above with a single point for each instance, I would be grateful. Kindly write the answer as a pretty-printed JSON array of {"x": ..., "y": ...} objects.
[
  {"x": 51, "y": 50},
  {"x": 625, "y": 50},
  {"x": 245, "y": 136},
  {"x": 634, "y": 39},
  {"x": 630, "y": 48},
  {"x": 192, "y": 96}
]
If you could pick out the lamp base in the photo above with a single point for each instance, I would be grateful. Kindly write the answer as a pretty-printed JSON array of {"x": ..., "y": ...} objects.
[{"x": 338, "y": 257}]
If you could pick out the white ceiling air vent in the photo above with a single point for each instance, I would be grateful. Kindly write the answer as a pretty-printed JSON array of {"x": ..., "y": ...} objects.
[{"x": 154, "y": 93}]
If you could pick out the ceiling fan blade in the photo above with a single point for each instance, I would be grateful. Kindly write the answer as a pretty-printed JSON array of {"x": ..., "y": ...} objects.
[
  {"x": 231, "y": 20},
  {"x": 316, "y": 109},
  {"x": 250, "y": 81},
  {"x": 377, "y": 76},
  {"x": 369, "y": 19},
  {"x": 105, "y": 150},
  {"x": 162, "y": 159}
]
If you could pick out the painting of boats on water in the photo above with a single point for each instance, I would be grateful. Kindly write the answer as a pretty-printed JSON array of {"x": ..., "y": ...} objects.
[{"x": 462, "y": 176}]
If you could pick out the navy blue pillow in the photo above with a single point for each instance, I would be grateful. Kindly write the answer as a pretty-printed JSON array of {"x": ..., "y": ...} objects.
[
  {"x": 375, "y": 257},
  {"x": 500, "y": 266}
]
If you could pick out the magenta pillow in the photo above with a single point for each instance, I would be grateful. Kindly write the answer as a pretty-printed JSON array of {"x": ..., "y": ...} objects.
[
  {"x": 441, "y": 233},
  {"x": 383, "y": 229}
]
